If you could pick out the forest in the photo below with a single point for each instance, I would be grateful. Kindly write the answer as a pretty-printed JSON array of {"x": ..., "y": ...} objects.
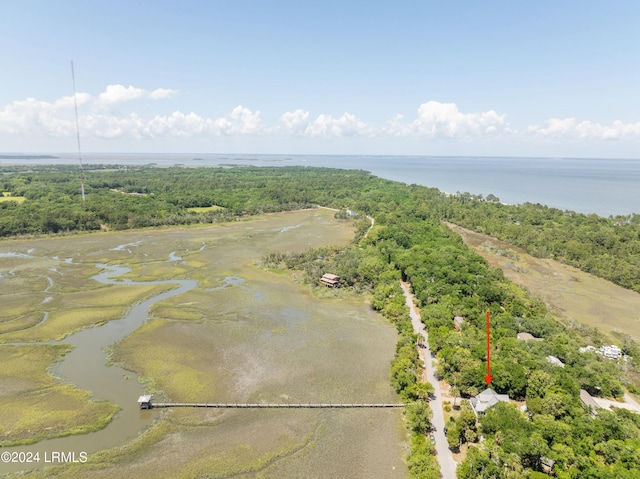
[{"x": 556, "y": 435}]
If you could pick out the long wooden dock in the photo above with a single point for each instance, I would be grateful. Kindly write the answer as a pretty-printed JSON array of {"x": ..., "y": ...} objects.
[{"x": 277, "y": 405}]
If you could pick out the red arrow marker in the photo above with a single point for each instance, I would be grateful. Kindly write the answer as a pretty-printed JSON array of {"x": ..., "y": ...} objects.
[{"x": 488, "y": 377}]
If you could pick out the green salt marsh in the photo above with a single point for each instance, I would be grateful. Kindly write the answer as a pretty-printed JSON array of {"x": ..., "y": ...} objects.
[{"x": 243, "y": 334}]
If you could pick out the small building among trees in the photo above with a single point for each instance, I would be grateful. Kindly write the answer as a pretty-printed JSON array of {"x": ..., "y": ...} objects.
[
  {"x": 588, "y": 401},
  {"x": 528, "y": 337},
  {"x": 555, "y": 361},
  {"x": 330, "y": 280},
  {"x": 458, "y": 321}
]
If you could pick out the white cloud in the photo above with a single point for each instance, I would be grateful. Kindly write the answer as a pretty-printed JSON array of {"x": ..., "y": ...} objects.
[
  {"x": 445, "y": 120},
  {"x": 109, "y": 127},
  {"x": 178, "y": 124},
  {"x": 160, "y": 93},
  {"x": 242, "y": 122},
  {"x": 570, "y": 129},
  {"x": 433, "y": 120},
  {"x": 119, "y": 93},
  {"x": 67, "y": 101},
  {"x": 115, "y": 94},
  {"x": 33, "y": 116},
  {"x": 295, "y": 122},
  {"x": 346, "y": 125}
]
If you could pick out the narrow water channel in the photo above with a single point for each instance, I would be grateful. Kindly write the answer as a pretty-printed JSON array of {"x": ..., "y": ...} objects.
[{"x": 87, "y": 368}]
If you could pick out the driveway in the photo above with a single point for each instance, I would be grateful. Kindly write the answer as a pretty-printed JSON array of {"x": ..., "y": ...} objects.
[{"x": 444, "y": 456}]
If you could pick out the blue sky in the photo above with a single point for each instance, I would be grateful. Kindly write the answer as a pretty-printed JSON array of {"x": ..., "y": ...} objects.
[{"x": 546, "y": 78}]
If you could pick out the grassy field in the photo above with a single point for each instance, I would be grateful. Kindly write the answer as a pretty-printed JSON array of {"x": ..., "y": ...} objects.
[
  {"x": 204, "y": 209},
  {"x": 7, "y": 196},
  {"x": 572, "y": 294}
]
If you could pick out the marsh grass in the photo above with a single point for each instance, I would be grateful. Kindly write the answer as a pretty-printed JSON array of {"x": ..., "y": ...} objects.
[
  {"x": 262, "y": 338},
  {"x": 156, "y": 272},
  {"x": 180, "y": 312},
  {"x": 52, "y": 412},
  {"x": 156, "y": 452},
  {"x": 273, "y": 346},
  {"x": 102, "y": 461},
  {"x": 20, "y": 322},
  {"x": 170, "y": 367},
  {"x": 20, "y": 307},
  {"x": 35, "y": 405},
  {"x": 71, "y": 312}
]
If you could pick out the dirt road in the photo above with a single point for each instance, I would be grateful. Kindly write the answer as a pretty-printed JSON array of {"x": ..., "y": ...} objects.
[{"x": 445, "y": 458}]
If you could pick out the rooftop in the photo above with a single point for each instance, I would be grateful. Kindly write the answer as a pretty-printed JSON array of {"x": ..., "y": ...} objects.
[
  {"x": 486, "y": 399},
  {"x": 528, "y": 337},
  {"x": 555, "y": 361}
]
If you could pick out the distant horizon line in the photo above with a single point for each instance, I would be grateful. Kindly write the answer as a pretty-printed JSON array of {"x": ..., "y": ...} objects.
[{"x": 19, "y": 155}]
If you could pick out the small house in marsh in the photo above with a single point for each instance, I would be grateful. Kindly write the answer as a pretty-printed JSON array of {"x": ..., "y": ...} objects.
[
  {"x": 330, "y": 280},
  {"x": 145, "y": 402}
]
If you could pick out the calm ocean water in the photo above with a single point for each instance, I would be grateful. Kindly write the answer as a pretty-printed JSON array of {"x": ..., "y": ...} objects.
[{"x": 587, "y": 185}]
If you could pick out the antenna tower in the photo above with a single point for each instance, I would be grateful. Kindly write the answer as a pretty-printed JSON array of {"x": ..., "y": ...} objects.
[{"x": 75, "y": 104}]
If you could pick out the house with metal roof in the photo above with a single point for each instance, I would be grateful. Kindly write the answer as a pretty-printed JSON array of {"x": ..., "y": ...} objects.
[
  {"x": 486, "y": 399},
  {"x": 145, "y": 402}
]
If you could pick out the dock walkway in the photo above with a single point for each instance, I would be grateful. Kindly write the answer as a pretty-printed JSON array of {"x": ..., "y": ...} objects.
[{"x": 278, "y": 405}]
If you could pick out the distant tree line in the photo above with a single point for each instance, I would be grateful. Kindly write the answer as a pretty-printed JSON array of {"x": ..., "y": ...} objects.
[{"x": 136, "y": 197}]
